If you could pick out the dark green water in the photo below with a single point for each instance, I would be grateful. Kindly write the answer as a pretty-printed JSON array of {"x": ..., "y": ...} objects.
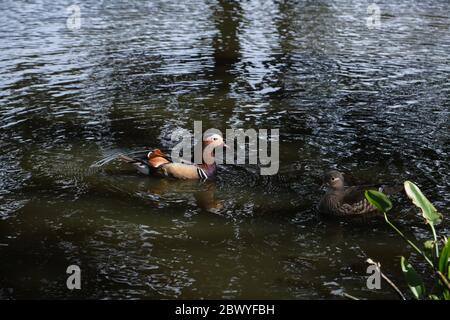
[{"x": 371, "y": 102}]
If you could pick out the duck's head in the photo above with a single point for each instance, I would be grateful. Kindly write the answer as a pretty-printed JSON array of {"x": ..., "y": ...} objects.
[
  {"x": 214, "y": 141},
  {"x": 210, "y": 144},
  {"x": 333, "y": 179}
]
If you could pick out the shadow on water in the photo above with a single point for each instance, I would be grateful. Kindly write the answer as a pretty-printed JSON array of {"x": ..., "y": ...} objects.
[{"x": 373, "y": 103}]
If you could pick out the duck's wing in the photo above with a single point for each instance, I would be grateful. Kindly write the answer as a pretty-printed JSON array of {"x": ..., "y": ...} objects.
[
  {"x": 357, "y": 193},
  {"x": 360, "y": 208},
  {"x": 354, "y": 194},
  {"x": 354, "y": 201},
  {"x": 356, "y": 206},
  {"x": 182, "y": 171},
  {"x": 156, "y": 158}
]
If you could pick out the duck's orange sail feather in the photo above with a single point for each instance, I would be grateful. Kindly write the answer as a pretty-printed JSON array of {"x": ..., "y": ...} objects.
[{"x": 157, "y": 158}]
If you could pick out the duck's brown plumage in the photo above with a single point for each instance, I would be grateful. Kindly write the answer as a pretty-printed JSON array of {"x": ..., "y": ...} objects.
[{"x": 348, "y": 202}]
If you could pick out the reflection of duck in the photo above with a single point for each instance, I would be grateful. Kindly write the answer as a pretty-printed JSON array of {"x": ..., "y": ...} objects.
[
  {"x": 158, "y": 164},
  {"x": 341, "y": 201},
  {"x": 204, "y": 193},
  {"x": 207, "y": 200}
]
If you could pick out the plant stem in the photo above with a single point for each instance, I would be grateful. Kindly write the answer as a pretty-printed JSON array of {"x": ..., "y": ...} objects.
[
  {"x": 397, "y": 290},
  {"x": 443, "y": 279},
  {"x": 409, "y": 241},
  {"x": 378, "y": 266},
  {"x": 346, "y": 295},
  {"x": 436, "y": 245}
]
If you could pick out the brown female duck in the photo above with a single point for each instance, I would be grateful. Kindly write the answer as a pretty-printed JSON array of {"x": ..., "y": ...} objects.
[{"x": 347, "y": 202}]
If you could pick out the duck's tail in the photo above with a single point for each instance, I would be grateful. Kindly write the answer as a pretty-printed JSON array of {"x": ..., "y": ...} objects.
[
  {"x": 140, "y": 164},
  {"x": 128, "y": 159},
  {"x": 149, "y": 163}
]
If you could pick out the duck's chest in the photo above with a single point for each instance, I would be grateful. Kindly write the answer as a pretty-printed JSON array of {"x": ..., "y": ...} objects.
[
  {"x": 330, "y": 201},
  {"x": 209, "y": 170}
]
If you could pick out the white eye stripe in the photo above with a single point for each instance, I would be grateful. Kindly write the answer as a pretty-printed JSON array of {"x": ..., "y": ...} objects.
[{"x": 202, "y": 174}]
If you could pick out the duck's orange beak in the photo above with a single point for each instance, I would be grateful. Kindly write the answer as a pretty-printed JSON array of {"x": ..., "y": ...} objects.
[{"x": 226, "y": 146}]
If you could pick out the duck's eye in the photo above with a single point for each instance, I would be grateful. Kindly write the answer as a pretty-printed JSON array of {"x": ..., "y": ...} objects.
[{"x": 214, "y": 138}]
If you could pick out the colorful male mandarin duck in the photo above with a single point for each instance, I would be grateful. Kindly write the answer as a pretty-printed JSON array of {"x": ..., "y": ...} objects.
[
  {"x": 158, "y": 164},
  {"x": 341, "y": 201}
]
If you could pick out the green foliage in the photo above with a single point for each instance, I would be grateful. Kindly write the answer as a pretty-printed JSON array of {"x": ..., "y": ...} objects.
[
  {"x": 414, "y": 281},
  {"x": 379, "y": 200},
  {"x": 444, "y": 264},
  {"x": 446, "y": 295},
  {"x": 428, "y": 245},
  {"x": 440, "y": 264},
  {"x": 429, "y": 212}
]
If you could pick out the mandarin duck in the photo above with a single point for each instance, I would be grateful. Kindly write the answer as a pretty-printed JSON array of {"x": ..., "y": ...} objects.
[
  {"x": 158, "y": 164},
  {"x": 348, "y": 202}
]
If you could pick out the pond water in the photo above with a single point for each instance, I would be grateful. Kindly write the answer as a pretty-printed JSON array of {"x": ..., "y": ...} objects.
[{"x": 373, "y": 102}]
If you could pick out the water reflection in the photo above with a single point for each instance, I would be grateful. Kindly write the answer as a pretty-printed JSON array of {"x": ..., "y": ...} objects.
[{"x": 373, "y": 103}]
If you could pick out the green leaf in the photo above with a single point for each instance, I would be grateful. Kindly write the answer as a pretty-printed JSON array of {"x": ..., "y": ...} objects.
[
  {"x": 379, "y": 200},
  {"x": 428, "y": 245},
  {"x": 429, "y": 212},
  {"x": 446, "y": 295},
  {"x": 443, "y": 258},
  {"x": 413, "y": 280}
]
